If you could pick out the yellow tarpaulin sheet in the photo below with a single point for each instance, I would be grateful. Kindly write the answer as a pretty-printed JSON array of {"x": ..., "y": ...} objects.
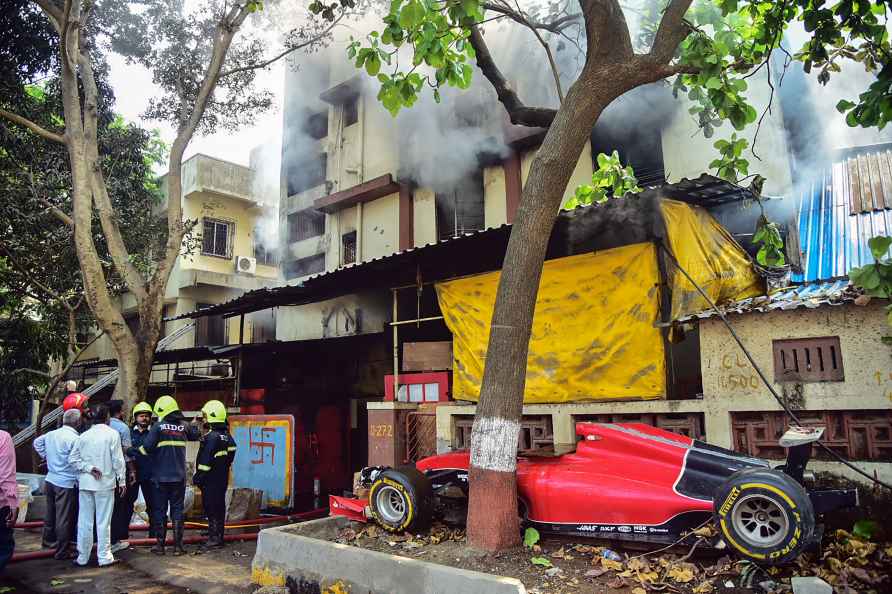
[
  {"x": 593, "y": 330},
  {"x": 710, "y": 255}
]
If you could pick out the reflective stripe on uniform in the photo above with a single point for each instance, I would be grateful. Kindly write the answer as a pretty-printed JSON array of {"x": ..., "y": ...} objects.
[
  {"x": 203, "y": 467},
  {"x": 221, "y": 453},
  {"x": 231, "y": 448},
  {"x": 172, "y": 443},
  {"x": 143, "y": 451}
]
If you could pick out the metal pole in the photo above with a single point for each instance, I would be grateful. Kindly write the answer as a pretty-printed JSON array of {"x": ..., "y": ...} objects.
[
  {"x": 241, "y": 329},
  {"x": 396, "y": 350},
  {"x": 404, "y": 322}
]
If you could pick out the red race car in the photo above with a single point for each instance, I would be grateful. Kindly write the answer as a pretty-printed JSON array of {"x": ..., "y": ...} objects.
[{"x": 626, "y": 481}]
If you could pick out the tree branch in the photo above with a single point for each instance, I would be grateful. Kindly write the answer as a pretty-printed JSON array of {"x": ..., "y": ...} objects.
[
  {"x": 40, "y": 131},
  {"x": 29, "y": 370},
  {"x": 110, "y": 228},
  {"x": 671, "y": 32},
  {"x": 26, "y": 274},
  {"x": 53, "y": 13},
  {"x": 536, "y": 117},
  {"x": 607, "y": 33},
  {"x": 57, "y": 212},
  {"x": 554, "y": 26},
  {"x": 276, "y": 58}
]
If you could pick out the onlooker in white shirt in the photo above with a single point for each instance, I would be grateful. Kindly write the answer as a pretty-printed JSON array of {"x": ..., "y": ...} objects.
[
  {"x": 98, "y": 458},
  {"x": 61, "y": 483}
]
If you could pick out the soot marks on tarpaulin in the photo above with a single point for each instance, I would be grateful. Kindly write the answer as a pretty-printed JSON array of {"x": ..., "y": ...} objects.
[
  {"x": 648, "y": 369},
  {"x": 302, "y": 586}
]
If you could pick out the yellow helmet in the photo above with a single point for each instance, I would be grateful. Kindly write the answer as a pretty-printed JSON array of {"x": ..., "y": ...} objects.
[
  {"x": 165, "y": 405},
  {"x": 214, "y": 411},
  {"x": 142, "y": 407}
]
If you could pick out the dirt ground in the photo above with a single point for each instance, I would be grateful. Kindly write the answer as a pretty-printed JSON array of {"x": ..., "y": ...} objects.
[
  {"x": 225, "y": 571},
  {"x": 560, "y": 565}
]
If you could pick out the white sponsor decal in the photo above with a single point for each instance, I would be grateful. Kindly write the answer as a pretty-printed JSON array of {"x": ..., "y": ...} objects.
[
  {"x": 624, "y": 528},
  {"x": 494, "y": 444}
]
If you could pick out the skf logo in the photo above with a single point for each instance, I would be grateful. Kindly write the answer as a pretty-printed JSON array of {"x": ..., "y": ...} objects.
[{"x": 729, "y": 501}]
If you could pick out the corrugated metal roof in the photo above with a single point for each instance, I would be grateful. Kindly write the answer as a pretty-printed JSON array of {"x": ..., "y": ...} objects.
[
  {"x": 870, "y": 179},
  {"x": 832, "y": 239},
  {"x": 809, "y": 295}
]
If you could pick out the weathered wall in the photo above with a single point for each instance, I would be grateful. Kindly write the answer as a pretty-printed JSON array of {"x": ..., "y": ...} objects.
[
  {"x": 424, "y": 215},
  {"x": 687, "y": 153},
  {"x": 494, "y": 203},
  {"x": 334, "y": 317},
  {"x": 380, "y": 227}
]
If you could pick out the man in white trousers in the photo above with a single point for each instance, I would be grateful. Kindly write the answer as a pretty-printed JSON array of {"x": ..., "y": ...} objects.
[{"x": 99, "y": 460}]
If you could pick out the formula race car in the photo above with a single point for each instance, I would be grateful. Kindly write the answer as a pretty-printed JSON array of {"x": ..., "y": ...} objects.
[{"x": 626, "y": 481}]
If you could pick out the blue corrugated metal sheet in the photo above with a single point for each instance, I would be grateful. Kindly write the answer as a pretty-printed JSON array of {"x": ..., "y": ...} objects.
[
  {"x": 832, "y": 239},
  {"x": 809, "y": 295}
]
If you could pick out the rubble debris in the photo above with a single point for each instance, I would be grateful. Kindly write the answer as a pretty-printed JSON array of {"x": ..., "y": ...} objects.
[{"x": 810, "y": 585}]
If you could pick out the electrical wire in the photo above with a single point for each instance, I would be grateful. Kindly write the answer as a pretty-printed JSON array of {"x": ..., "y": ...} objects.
[{"x": 761, "y": 375}]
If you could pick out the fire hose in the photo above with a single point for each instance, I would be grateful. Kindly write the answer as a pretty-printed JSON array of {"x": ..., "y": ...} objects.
[
  {"x": 137, "y": 542},
  {"x": 308, "y": 515}
]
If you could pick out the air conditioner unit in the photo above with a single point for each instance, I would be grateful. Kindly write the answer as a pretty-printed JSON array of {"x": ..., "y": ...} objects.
[{"x": 245, "y": 265}]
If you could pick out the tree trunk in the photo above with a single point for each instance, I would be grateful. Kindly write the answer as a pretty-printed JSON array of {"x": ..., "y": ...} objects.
[{"x": 492, "y": 516}]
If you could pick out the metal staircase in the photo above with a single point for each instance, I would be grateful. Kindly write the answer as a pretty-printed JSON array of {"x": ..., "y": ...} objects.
[{"x": 53, "y": 416}]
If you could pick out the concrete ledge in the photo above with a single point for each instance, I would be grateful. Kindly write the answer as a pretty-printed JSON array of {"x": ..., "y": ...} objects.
[{"x": 296, "y": 554}]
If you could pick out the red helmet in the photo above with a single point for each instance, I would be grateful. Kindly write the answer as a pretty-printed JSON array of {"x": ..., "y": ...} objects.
[{"x": 75, "y": 400}]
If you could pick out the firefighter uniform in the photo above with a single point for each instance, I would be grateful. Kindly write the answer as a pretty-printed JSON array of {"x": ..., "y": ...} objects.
[
  {"x": 166, "y": 447},
  {"x": 215, "y": 456},
  {"x": 138, "y": 435}
]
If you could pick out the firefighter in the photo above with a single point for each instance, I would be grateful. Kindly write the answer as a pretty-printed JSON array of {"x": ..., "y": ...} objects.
[
  {"x": 166, "y": 447},
  {"x": 76, "y": 400},
  {"x": 215, "y": 456},
  {"x": 142, "y": 421}
]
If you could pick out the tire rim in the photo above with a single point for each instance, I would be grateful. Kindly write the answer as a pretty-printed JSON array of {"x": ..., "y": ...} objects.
[
  {"x": 760, "y": 520},
  {"x": 391, "y": 504}
]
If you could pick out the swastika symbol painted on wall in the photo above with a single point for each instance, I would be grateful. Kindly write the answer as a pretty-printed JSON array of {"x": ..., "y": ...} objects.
[{"x": 260, "y": 447}]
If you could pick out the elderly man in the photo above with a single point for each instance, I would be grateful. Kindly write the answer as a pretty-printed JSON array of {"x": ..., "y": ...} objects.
[
  {"x": 61, "y": 483},
  {"x": 9, "y": 498},
  {"x": 98, "y": 458}
]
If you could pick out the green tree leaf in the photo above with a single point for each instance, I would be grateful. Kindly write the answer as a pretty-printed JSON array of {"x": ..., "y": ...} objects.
[
  {"x": 530, "y": 537},
  {"x": 543, "y": 561}
]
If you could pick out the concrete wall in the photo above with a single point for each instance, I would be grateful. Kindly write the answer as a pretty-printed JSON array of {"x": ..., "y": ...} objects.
[
  {"x": 349, "y": 315},
  {"x": 424, "y": 215},
  {"x": 380, "y": 227},
  {"x": 687, "y": 153},
  {"x": 494, "y": 203}
]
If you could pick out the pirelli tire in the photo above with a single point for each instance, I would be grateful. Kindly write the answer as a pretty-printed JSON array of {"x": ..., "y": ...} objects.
[
  {"x": 764, "y": 515},
  {"x": 402, "y": 500}
]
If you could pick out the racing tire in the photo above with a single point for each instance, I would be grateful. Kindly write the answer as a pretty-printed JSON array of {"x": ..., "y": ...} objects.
[
  {"x": 402, "y": 500},
  {"x": 764, "y": 515}
]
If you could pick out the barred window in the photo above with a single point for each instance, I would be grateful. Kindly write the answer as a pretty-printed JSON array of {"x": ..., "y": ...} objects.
[{"x": 215, "y": 238}]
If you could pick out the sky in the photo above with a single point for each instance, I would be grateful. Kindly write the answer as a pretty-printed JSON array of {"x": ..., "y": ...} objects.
[{"x": 133, "y": 87}]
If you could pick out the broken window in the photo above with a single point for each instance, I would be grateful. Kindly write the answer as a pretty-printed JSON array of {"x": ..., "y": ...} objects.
[
  {"x": 209, "y": 330},
  {"x": 215, "y": 238},
  {"x": 305, "y": 224},
  {"x": 351, "y": 111},
  {"x": 305, "y": 174},
  {"x": 460, "y": 209},
  {"x": 808, "y": 360},
  {"x": 304, "y": 266},
  {"x": 349, "y": 248},
  {"x": 316, "y": 125}
]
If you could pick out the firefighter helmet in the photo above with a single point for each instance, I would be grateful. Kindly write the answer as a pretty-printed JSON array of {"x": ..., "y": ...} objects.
[
  {"x": 165, "y": 405},
  {"x": 142, "y": 407},
  {"x": 75, "y": 400},
  {"x": 214, "y": 411}
]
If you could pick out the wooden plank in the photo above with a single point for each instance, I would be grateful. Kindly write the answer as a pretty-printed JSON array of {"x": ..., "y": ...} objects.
[
  {"x": 854, "y": 185},
  {"x": 876, "y": 182},
  {"x": 427, "y": 356}
]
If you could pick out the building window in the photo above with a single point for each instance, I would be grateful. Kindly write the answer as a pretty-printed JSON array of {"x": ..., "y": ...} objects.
[
  {"x": 215, "y": 238},
  {"x": 305, "y": 224},
  {"x": 210, "y": 330},
  {"x": 808, "y": 360},
  {"x": 349, "y": 247},
  {"x": 306, "y": 174},
  {"x": 304, "y": 266},
  {"x": 262, "y": 253},
  {"x": 316, "y": 126},
  {"x": 351, "y": 111}
]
